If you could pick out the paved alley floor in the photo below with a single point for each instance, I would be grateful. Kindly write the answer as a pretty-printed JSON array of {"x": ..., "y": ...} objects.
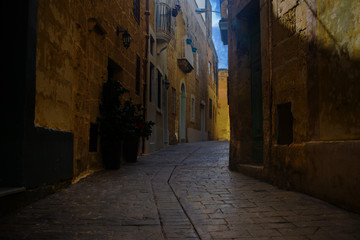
[{"x": 181, "y": 192}]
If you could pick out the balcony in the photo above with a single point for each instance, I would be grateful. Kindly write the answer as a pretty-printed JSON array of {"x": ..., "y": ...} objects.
[
  {"x": 163, "y": 22},
  {"x": 223, "y": 25},
  {"x": 185, "y": 57}
]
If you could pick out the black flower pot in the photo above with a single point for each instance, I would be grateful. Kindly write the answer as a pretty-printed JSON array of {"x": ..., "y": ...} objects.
[
  {"x": 111, "y": 154},
  {"x": 131, "y": 148}
]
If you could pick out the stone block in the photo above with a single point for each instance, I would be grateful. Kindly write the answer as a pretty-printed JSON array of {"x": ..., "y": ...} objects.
[
  {"x": 284, "y": 6},
  {"x": 301, "y": 17},
  {"x": 285, "y": 52}
]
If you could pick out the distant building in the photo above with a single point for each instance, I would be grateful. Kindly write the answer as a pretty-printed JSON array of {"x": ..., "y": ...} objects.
[
  {"x": 294, "y": 102},
  {"x": 223, "y": 120},
  {"x": 184, "y": 60}
]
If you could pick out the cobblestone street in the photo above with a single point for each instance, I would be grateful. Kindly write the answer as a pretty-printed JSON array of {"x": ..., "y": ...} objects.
[{"x": 180, "y": 192}]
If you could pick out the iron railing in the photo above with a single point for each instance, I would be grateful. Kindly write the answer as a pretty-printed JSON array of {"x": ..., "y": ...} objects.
[{"x": 163, "y": 21}]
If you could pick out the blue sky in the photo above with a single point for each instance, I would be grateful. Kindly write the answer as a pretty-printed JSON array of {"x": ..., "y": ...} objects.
[{"x": 222, "y": 51}]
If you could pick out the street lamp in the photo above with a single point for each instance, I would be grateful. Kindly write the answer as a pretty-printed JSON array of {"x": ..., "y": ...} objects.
[
  {"x": 126, "y": 38},
  {"x": 204, "y": 10}
]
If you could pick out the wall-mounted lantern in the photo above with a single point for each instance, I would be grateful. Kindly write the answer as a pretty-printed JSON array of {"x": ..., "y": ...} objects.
[
  {"x": 166, "y": 83},
  {"x": 126, "y": 37},
  {"x": 194, "y": 49},
  {"x": 188, "y": 41}
]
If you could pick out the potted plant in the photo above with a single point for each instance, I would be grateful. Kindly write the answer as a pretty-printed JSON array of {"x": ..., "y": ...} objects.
[
  {"x": 122, "y": 124},
  {"x": 136, "y": 128}
]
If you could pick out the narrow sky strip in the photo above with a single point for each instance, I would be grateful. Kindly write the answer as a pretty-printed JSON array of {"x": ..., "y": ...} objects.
[{"x": 222, "y": 51}]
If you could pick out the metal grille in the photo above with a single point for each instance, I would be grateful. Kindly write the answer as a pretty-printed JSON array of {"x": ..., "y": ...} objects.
[{"x": 163, "y": 18}]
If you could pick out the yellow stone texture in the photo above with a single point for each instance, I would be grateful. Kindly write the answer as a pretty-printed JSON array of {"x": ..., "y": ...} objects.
[
  {"x": 223, "y": 120},
  {"x": 75, "y": 41}
]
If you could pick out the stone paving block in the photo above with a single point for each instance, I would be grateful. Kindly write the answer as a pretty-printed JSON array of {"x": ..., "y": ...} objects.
[
  {"x": 290, "y": 238},
  {"x": 57, "y": 235},
  {"x": 278, "y": 225},
  {"x": 308, "y": 231},
  {"x": 260, "y": 219},
  {"x": 173, "y": 232},
  {"x": 246, "y": 226},
  {"x": 138, "y": 232},
  {"x": 230, "y": 234},
  {"x": 214, "y": 227},
  {"x": 264, "y": 233},
  {"x": 220, "y": 221}
]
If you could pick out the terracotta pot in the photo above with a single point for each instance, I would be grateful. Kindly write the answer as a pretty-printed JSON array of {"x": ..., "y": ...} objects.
[
  {"x": 131, "y": 148},
  {"x": 111, "y": 154}
]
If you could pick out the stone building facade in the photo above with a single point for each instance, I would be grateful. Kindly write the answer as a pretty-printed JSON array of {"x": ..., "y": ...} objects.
[
  {"x": 182, "y": 74},
  {"x": 79, "y": 46},
  {"x": 223, "y": 119},
  {"x": 61, "y": 53},
  {"x": 294, "y": 102}
]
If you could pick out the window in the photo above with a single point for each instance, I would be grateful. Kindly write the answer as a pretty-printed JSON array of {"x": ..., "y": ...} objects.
[
  {"x": 284, "y": 124},
  {"x": 192, "y": 108},
  {"x": 159, "y": 90},
  {"x": 210, "y": 108},
  {"x": 93, "y": 137},
  {"x": 209, "y": 68},
  {"x": 137, "y": 80},
  {"x": 136, "y": 10},
  {"x": 173, "y": 100},
  {"x": 152, "y": 41},
  {"x": 151, "y": 81}
]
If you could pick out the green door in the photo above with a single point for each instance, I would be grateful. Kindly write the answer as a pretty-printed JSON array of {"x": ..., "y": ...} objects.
[
  {"x": 182, "y": 114},
  {"x": 256, "y": 90}
]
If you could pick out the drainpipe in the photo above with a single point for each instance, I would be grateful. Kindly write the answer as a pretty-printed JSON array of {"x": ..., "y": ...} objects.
[
  {"x": 270, "y": 12},
  {"x": 147, "y": 36}
]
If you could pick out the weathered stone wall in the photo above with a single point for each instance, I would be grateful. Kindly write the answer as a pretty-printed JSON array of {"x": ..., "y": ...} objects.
[
  {"x": 55, "y": 72},
  {"x": 319, "y": 80},
  {"x": 188, "y": 24},
  {"x": 240, "y": 90},
  {"x": 338, "y": 38},
  {"x": 310, "y": 63},
  {"x": 223, "y": 120},
  {"x": 75, "y": 40}
]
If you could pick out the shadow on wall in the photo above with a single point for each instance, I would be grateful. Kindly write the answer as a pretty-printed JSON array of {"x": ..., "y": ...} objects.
[{"x": 310, "y": 73}]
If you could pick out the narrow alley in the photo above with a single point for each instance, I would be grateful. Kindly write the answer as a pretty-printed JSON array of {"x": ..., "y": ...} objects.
[{"x": 180, "y": 192}]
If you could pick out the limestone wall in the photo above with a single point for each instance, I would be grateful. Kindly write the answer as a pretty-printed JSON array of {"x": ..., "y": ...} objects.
[
  {"x": 190, "y": 25},
  {"x": 338, "y": 37},
  {"x": 55, "y": 71},
  {"x": 75, "y": 41},
  {"x": 223, "y": 120},
  {"x": 310, "y": 63}
]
